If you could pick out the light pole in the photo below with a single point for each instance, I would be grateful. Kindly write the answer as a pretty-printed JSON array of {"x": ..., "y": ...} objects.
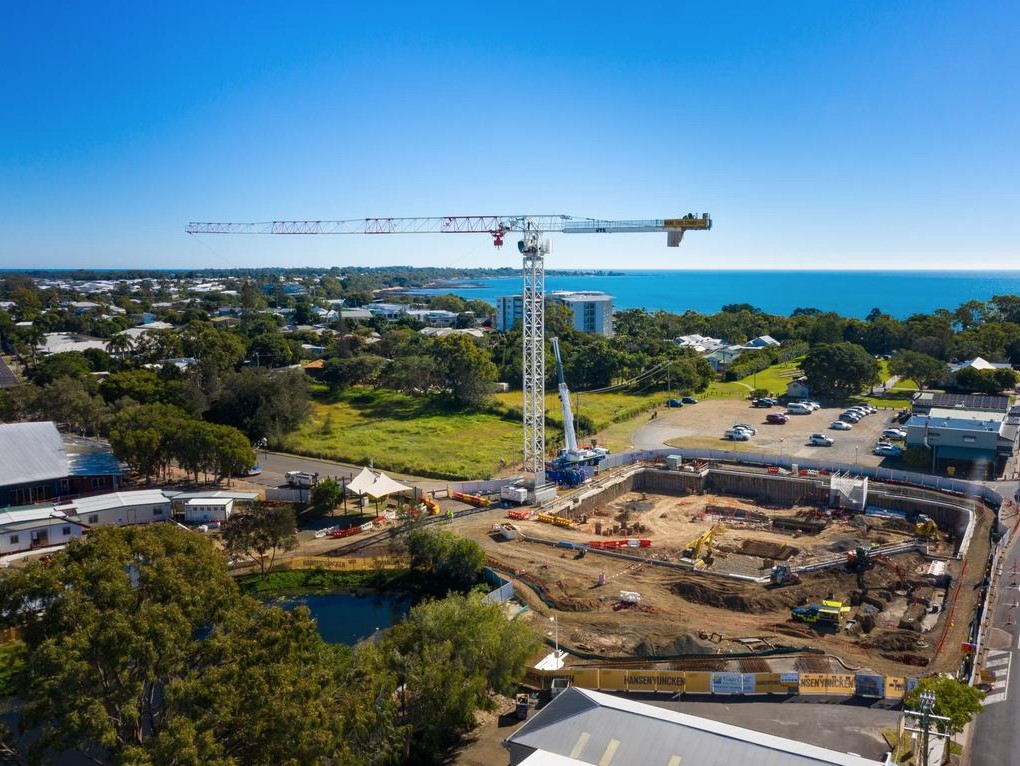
[
  {"x": 556, "y": 640},
  {"x": 856, "y": 450}
]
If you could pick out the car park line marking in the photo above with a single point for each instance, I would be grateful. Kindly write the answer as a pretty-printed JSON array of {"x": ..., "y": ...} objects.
[{"x": 1000, "y": 688}]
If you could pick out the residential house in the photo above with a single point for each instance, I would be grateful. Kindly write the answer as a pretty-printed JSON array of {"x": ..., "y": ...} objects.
[
  {"x": 722, "y": 358},
  {"x": 763, "y": 341},
  {"x": 798, "y": 389},
  {"x": 700, "y": 343}
]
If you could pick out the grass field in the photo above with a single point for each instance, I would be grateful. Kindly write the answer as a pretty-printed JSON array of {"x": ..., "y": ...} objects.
[
  {"x": 406, "y": 434},
  {"x": 602, "y": 409}
]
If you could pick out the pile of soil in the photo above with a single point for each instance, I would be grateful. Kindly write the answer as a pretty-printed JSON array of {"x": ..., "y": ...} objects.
[
  {"x": 740, "y": 597},
  {"x": 682, "y": 644},
  {"x": 894, "y": 641},
  {"x": 768, "y": 550},
  {"x": 848, "y": 544}
]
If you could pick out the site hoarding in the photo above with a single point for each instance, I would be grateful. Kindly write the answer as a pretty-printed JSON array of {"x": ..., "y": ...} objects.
[
  {"x": 586, "y": 678},
  {"x": 895, "y": 687},
  {"x": 774, "y": 683},
  {"x": 699, "y": 682},
  {"x": 655, "y": 680},
  {"x": 827, "y": 683},
  {"x": 869, "y": 685}
]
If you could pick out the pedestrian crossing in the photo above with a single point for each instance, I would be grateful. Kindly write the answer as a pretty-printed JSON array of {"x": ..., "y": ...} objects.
[{"x": 998, "y": 662}]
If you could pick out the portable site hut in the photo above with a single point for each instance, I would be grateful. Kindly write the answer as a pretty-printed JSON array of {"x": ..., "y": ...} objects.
[
  {"x": 204, "y": 509},
  {"x": 32, "y": 527},
  {"x": 121, "y": 508}
]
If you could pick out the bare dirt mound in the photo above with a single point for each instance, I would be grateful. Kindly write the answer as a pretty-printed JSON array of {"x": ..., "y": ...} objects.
[
  {"x": 683, "y": 644},
  {"x": 737, "y": 596},
  {"x": 768, "y": 550}
]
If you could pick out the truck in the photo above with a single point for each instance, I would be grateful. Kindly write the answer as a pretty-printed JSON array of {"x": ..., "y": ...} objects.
[
  {"x": 301, "y": 479},
  {"x": 514, "y": 493},
  {"x": 828, "y": 611}
]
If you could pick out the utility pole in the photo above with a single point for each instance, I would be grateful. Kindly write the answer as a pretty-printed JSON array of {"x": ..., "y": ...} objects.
[{"x": 923, "y": 720}]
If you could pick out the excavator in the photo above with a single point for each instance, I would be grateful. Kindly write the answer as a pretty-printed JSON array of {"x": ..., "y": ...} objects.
[
  {"x": 860, "y": 560},
  {"x": 700, "y": 547},
  {"x": 926, "y": 528},
  {"x": 782, "y": 574}
]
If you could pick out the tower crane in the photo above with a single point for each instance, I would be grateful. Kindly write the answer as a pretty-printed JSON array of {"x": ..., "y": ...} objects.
[{"x": 533, "y": 247}]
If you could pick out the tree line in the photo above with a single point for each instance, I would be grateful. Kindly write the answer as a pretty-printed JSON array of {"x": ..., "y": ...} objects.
[{"x": 141, "y": 649}]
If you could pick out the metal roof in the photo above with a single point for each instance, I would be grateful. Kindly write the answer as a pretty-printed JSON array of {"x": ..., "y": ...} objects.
[
  {"x": 96, "y": 503},
  {"x": 220, "y": 493},
  {"x": 31, "y": 452},
  {"x": 989, "y": 402},
  {"x": 597, "y": 728},
  {"x": 196, "y": 501},
  {"x": 29, "y": 513},
  {"x": 93, "y": 462}
]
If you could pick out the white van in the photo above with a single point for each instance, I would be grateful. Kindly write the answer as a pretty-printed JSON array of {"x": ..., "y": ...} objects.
[{"x": 799, "y": 408}]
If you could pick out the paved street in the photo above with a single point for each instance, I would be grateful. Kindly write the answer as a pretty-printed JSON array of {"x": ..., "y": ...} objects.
[
  {"x": 995, "y": 740},
  {"x": 847, "y": 727}
]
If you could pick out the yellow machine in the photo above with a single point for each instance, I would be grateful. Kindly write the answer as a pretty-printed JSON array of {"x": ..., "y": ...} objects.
[
  {"x": 699, "y": 548},
  {"x": 926, "y": 527}
]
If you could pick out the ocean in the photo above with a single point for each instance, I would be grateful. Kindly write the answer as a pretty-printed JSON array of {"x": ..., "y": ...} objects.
[{"x": 848, "y": 293}]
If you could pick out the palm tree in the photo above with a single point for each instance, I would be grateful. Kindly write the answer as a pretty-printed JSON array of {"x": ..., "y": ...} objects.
[{"x": 119, "y": 344}]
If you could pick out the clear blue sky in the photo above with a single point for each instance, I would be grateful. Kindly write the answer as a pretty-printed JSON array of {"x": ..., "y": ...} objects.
[{"x": 817, "y": 134}]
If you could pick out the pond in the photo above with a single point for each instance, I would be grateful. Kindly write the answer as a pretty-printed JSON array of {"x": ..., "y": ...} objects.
[{"x": 346, "y": 618}]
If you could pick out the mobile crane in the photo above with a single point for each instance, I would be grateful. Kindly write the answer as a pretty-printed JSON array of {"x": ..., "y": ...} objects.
[
  {"x": 571, "y": 454},
  {"x": 533, "y": 248}
]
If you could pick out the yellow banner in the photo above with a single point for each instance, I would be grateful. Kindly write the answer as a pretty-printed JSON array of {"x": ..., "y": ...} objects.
[
  {"x": 895, "y": 687},
  {"x": 827, "y": 683},
  {"x": 586, "y": 678},
  {"x": 613, "y": 680},
  {"x": 698, "y": 682},
  {"x": 774, "y": 683}
]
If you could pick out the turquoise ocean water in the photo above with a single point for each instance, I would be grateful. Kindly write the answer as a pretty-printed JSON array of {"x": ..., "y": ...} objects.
[{"x": 848, "y": 293}]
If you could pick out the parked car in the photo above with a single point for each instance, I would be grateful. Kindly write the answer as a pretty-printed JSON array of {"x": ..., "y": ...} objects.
[
  {"x": 798, "y": 408},
  {"x": 747, "y": 427},
  {"x": 888, "y": 450},
  {"x": 764, "y": 402},
  {"x": 865, "y": 406},
  {"x": 894, "y": 434},
  {"x": 849, "y": 417},
  {"x": 777, "y": 417},
  {"x": 674, "y": 403},
  {"x": 820, "y": 440},
  {"x": 688, "y": 400},
  {"x": 840, "y": 425},
  {"x": 737, "y": 435},
  {"x": 813, "y": 405}
]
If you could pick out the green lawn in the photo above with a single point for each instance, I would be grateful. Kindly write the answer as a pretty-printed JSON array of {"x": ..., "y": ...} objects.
[
  {"x": 407, "y": 434},
  {"x": 601, "y": 409}
]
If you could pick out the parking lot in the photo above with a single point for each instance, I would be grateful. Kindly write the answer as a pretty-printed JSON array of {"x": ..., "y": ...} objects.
[{"x": 703, "y": 425}]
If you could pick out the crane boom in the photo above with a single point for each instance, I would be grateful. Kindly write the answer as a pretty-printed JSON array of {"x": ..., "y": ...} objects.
[
  {"x": 568, "y": 417},
  {"x": 495, "y": 225}
]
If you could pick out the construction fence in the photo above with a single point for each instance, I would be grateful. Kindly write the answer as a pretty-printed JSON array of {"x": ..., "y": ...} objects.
[{"x": 863, "y": 685}]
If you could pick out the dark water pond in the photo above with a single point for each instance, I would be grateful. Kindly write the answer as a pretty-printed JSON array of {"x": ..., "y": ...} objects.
[{"x": 346, "y": 618}]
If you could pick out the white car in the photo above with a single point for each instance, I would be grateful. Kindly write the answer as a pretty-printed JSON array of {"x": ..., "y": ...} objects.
[
  {"x": 820, "y": 440},
  {"x": 840, "y": 425},
  {"x": 888, "y": 450},
  {"x": 746, "y": 427},
  {"x": 813, "y": 405},
  {"x": 737, "y": 435},
  {"x": 894, "y": 434}
]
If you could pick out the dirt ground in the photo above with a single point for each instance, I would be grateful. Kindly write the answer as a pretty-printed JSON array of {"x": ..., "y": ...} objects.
[{"x": 683, "y": 612}]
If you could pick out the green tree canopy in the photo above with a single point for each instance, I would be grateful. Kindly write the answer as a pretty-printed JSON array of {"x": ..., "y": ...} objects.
[
  {"x": 839, "y": 369},
  {"x": 468, "y": 371},
  {"x": 924, "y": 370},
  {"x": 260, "y": 533},
  {"x": 956, "y": 700}
]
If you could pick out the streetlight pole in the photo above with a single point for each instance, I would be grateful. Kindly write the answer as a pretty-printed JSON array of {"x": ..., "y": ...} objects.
[{"x": 556, "y": 640}]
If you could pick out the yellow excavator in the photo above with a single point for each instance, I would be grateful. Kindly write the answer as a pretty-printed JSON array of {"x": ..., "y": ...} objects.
[
  {"x": 700, "y": 547},
  {"x": 926, "y": 527}
]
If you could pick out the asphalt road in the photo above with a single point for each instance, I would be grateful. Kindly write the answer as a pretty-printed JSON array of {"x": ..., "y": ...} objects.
[
  {"x": 276, "y": 464},
  {"x": 846, "y": 727},
  {"x": 995, "y": 740}
]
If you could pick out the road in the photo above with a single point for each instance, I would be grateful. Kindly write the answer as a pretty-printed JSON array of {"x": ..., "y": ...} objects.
[
  {"x": 995, "y": 739},
  {"x": 276, "y": 464},
  {"x": 846, "y": 727}
]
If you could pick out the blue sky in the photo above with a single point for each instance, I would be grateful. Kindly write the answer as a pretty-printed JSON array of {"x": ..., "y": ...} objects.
[{"x": 817, "y": 134}]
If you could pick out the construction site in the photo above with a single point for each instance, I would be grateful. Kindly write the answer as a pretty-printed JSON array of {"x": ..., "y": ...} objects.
[{"x": 739, "y": 569}]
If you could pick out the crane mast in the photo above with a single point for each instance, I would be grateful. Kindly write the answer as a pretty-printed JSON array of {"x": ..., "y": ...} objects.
[
  {"x": 568, "y": 417},
  {"x": 533, "y": 248}
]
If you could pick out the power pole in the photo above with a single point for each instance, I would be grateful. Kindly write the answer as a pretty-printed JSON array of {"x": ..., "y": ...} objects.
[{"x": 923, "y": 720}]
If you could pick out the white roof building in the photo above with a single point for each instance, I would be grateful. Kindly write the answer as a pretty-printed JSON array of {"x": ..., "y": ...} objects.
[{"x": 588, "y": 727}]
